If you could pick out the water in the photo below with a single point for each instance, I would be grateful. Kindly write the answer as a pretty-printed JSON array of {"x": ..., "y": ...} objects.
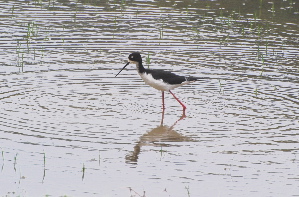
[{"x": 69, "y": 127}]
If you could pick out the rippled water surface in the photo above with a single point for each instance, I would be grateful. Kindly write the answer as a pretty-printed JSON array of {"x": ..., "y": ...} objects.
[{"x": 69, "y": 127}]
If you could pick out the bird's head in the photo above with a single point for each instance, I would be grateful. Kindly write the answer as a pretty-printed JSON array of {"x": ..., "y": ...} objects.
[{"x": 134, "y": 58}]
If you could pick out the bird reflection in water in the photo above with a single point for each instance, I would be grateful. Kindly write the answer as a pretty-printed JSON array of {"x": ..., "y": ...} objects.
[{"x": 157, "y": 137}]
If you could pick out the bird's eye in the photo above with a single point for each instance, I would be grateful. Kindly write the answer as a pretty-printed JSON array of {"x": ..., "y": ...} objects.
[{"x": 132, "y": 57}]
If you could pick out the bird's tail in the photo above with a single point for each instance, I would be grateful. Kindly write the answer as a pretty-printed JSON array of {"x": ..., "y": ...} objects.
[
  {"x": 192, "y": 78},
  {"x": 196, "y": 78}
]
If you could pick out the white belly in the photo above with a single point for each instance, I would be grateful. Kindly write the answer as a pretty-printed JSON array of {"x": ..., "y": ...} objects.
[{"x": 159, "y": 84}]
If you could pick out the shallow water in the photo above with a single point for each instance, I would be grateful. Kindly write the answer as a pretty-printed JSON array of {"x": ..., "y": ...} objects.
[{"x": 69, "y": 127}]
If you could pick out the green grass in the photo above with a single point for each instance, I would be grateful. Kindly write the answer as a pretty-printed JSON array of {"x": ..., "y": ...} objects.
[{"x": 148, "y": 59}]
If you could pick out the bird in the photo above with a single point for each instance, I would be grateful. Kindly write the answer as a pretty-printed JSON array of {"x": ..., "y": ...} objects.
[{"x": 159, "y": 79}]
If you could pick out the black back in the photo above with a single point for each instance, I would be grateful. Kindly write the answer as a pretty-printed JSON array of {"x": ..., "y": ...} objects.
[{"x": 166, "y": 76}]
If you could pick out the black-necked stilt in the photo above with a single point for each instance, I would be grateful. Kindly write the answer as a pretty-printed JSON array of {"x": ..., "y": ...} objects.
[{"x": 159, "y": 79}]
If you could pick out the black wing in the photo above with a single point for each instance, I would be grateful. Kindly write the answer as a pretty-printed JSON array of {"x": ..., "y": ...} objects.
[{"x": 166, "y": 76}]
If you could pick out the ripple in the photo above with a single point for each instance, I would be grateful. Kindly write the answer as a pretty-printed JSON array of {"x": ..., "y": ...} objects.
[{"x": 60, "y": 99}]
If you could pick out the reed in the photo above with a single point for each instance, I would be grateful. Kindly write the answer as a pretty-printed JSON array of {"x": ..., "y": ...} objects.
[
  {"x": 148, "y": 59},
  {"x": 273, "y": 9},
  {"x": 161, "y": 30},
  {"x": 12, "y": 11},
  {"x": 83, "y": 171},
  {"x": 15, "y": 161},
  {"x": 221, "y": 87},
  {"x": 188, "y": 190},
  {"x": 256, "y": 91},
  {"x": 99, "y": 158},
  {"x": 44, "y": 157},
  {"x": 44, "y": 170}
]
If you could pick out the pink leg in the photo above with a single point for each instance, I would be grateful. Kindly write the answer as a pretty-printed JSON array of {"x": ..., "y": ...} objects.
[
  {"x": 162, "y": 120},
  {"x": 184, "y": 107},
  {"x": 163, "y": 106}
]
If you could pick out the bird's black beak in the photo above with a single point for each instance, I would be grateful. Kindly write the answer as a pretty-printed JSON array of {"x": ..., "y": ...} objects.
[{"x": 122, "y": 68}]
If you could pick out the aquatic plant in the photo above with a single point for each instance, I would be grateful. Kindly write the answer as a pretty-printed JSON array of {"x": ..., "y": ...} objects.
[
  {"x": 220, "y": 84},
  {"x": 15, "y": 161},
  {"x": 83, "y": 171},
  {"x": 44, "y": 170},
  {"x": 148, "y": 59},
  {"x": 256, "y": 91},
  {"x": 12, "y": 10},
  {"x": 44, "y": 159},
  {"x": 161, "y": 30},
  {"x": 188, "y": 190},
  {"x": 99, "y": 158}
]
